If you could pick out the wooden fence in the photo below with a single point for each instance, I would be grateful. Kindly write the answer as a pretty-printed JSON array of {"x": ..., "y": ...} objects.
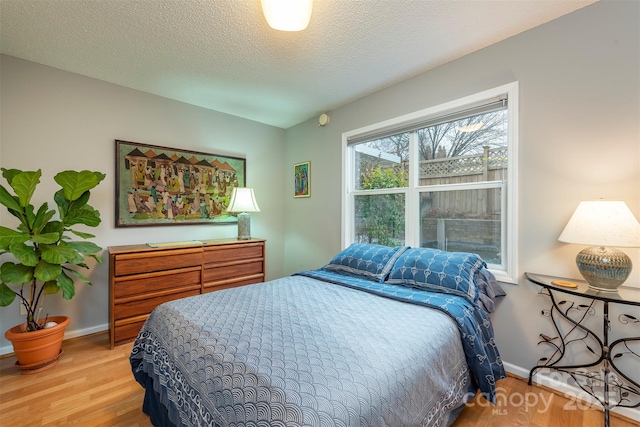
[{"x": 491, "y": 165}]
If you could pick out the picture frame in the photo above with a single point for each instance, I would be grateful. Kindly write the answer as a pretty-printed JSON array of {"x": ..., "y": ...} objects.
[
  {"x": 158, "y": 186},
  {"x": 302, "y": 179}
]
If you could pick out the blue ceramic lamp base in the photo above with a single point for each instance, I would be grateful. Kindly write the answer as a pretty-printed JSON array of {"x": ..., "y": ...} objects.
[{"x": 605, "y": 269}]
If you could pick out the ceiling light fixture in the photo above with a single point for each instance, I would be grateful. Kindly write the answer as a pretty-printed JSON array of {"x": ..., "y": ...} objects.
[{"x": 287, "y": 15}]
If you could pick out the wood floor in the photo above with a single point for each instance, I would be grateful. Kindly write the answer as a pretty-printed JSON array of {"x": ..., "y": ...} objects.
[{"x": 93, "y": 386}]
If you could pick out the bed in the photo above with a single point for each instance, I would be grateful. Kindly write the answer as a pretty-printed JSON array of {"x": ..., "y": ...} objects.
[{"x": 380, "y": 336}]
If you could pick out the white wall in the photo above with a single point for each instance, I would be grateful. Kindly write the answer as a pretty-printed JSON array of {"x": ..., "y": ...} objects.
[
  {"x": 579, "y": 82},
  {"x": 55, "y": 120}
]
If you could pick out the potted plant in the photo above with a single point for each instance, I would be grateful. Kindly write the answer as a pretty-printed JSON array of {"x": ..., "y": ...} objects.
[{"x": 43, "y": 259}]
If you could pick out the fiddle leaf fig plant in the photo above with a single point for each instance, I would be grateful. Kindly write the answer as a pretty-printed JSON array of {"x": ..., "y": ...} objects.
[{"x": 47, "y": 258}]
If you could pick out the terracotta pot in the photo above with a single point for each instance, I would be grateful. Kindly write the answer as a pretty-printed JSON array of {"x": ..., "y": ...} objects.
[{"x": 38, "y": 350}]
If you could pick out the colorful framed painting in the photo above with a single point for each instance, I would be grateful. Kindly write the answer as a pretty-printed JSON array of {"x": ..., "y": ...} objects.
[
  {"x": 168, "y": 186},
  {"x": 302, "y": 179}
]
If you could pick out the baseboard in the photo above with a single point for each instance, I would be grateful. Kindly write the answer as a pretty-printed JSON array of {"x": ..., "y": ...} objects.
[
  {"x": 553, "y": 382},
  {"x": 68, "y": 334}
]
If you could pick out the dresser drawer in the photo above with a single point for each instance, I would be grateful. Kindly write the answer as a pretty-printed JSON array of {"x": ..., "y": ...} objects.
[
  {"x": 126, "y": 264},
  {"x": 127, "y": 332},
  {"x": 215, "y": 272},
  {"x": 233, "y": 252},
  {"x": 136, "y": 307},
  {"x": 233, "y": 282},
  {"x": 126, "y": 286}
]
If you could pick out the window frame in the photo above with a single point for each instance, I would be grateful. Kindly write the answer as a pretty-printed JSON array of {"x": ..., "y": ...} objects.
[{"x": 412, "y": 192}]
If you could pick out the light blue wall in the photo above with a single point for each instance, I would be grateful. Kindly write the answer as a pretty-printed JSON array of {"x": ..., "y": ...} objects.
[
  {"x": 55, "y": 120},
  {"x": 579, "y": 80}
]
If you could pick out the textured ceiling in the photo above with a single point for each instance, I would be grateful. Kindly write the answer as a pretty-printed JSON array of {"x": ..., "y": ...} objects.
[{"x": 221, "y": 54}]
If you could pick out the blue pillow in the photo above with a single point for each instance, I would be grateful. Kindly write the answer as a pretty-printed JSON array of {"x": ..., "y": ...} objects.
[
  {"x": 366, "y": 260},
  {"x": 439, "y": 271}
]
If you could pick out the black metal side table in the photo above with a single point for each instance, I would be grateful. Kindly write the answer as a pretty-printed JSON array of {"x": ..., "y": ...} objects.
[{"x": 610, "y": 384}]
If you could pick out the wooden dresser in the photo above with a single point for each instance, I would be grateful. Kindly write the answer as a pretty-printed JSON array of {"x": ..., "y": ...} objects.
[{"x": 141, "y": 277}]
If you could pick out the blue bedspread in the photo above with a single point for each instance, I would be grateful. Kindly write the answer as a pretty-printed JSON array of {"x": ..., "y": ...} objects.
[
  {"x": 473, "y": 322},
  {"x": 301, "y": 351}
]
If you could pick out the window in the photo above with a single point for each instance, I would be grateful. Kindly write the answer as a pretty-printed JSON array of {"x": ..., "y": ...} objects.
[{"x": 441, "y": 178}]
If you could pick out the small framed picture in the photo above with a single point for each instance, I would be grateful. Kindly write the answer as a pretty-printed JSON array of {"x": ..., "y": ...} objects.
[{"x": 302, "y": 179}]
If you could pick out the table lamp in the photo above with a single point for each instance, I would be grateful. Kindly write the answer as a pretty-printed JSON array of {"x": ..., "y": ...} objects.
[
  {"x": 603, "y": 224},
  {"x": 242, "y": 201}
]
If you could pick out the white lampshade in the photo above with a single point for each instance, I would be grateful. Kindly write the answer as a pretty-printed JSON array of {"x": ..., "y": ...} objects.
[
  {"x": 287, "y": 15},
  {"x": 602, "y": 223},
  {"x": 243, "y": 200}
]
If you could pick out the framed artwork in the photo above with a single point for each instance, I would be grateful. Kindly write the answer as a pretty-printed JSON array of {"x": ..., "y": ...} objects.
[
  {"x": 302, "y": 179},
  {"x": 168, "y": 186}
]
